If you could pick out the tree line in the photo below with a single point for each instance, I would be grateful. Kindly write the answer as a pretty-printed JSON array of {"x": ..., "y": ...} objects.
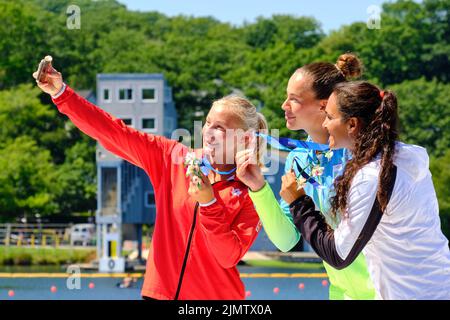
[{"x": 48, "y": 166}]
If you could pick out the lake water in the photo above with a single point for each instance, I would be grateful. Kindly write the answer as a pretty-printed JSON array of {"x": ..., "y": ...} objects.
[{"x": 38, "y": 288}]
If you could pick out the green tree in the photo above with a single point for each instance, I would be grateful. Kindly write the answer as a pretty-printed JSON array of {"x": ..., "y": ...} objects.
[
  {"x": 412, "y": 42},
  {"x": 76, "y": 179},
  {"x": 22, "y": 35},
  {"x": 302, "y": 32},
  {"x": 27, "y": 179},
  {"x": 424, "y": 114},
  {"x": 202, "y": 59},
  {"x": 71, "y": 155},
  {"x": 23, "y": 114},
  {"x": 440, "y": 168}
]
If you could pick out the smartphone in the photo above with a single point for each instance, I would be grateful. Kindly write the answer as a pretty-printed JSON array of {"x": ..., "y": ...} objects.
[{"x": 43, "y": 66}]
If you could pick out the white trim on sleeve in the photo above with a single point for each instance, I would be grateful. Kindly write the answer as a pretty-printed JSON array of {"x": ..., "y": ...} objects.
[
  {"x": 60, "y": 92},
  {"x": 208, "y": 203}
]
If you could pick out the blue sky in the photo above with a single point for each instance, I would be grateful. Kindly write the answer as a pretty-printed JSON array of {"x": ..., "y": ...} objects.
[{"x": 332, "y": 14}]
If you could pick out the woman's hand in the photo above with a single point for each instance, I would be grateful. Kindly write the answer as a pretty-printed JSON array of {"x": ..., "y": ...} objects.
[
  {"x": 200, "y": 189},
  {"x": 52, "y": 81},
  {"x": 248, "y": 171},
  {"x": 289, "y": 188}
]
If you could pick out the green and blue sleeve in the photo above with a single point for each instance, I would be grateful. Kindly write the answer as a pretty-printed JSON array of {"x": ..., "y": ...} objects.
[{"x": 277, "y": 222}]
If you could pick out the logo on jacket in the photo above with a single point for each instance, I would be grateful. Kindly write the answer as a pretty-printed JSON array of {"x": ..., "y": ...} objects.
[
  {"x": 258, "y": 226},
  {"x": 235, "y": 192}
]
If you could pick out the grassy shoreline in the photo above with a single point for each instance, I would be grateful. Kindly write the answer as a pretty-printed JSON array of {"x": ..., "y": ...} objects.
[
  {"x": 50, "y": 256},
  {"x": 44, "y": 256}
]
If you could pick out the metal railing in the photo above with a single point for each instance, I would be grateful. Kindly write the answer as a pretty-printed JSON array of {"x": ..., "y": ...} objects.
[{"x": 16, "y": 234}]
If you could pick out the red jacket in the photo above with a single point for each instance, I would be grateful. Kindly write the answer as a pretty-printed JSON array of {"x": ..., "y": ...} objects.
[{"x": 194, "y": 250}]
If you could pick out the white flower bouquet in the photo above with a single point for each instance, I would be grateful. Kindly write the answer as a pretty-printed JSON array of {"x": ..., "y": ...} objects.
[{"x": 193, "y": 170}]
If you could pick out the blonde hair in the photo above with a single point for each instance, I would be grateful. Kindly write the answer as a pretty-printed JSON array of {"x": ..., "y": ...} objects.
[{"x": 250, "y": 118}]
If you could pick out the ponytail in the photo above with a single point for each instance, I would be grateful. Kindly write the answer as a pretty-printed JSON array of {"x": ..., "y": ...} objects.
[
  {"x": 377, "y": 111},
  {"x": 386, "y": 117}
]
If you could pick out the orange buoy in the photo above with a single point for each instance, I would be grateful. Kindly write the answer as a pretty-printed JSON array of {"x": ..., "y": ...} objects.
[
  {"x": 248, "y": 293},
  {"x": 53, "y": 289},
  {"x": 324, "y": 283},
  {"x": 91, "y": 285},
  {"x": 276, "y": 290},
  {"x": 11, "y": 293},
  {"x": 301, "y": 286}
]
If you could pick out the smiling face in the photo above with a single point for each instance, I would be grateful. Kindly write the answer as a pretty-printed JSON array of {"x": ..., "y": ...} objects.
[
  {"x": 221, "y": 134},
  {"x": 301, "y": 108},
  {"x": 341, "y": 131}
]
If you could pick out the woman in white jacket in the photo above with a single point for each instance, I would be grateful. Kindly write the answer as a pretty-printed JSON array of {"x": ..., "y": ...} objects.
[{"x": 385, "y": 197}]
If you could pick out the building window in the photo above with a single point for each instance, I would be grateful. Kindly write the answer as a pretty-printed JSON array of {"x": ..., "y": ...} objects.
[
  {"x": 106, "y": 95},
  {"x": 125, "y": 94},
  {"x": 108, "y": 191},
  {"x": 148, "y": 94},
  {"x": 149, "y": 124},
  {"x": 149, "y": 199},
  {"x": 128, "y": 121}
]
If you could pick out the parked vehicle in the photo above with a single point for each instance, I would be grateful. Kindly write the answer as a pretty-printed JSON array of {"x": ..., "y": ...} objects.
[{"x": 82, "y": 234}]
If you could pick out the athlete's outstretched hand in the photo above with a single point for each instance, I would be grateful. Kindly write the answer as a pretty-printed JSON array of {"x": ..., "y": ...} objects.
[{"x": 51, "y": 82}]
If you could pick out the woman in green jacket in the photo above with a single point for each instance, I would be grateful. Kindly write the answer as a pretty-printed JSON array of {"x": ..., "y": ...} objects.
[{"x": 307, "y": 93}]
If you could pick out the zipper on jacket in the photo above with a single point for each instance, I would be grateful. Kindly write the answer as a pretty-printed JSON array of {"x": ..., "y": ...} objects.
[
  {"x": 183, "y": 268},
  {"x": 188, "y": 248}
]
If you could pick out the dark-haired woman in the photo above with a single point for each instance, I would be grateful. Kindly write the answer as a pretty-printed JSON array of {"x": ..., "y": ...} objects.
[
  {"x": 307, "y": 93},
  {"x": 385, "y": 198}
]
